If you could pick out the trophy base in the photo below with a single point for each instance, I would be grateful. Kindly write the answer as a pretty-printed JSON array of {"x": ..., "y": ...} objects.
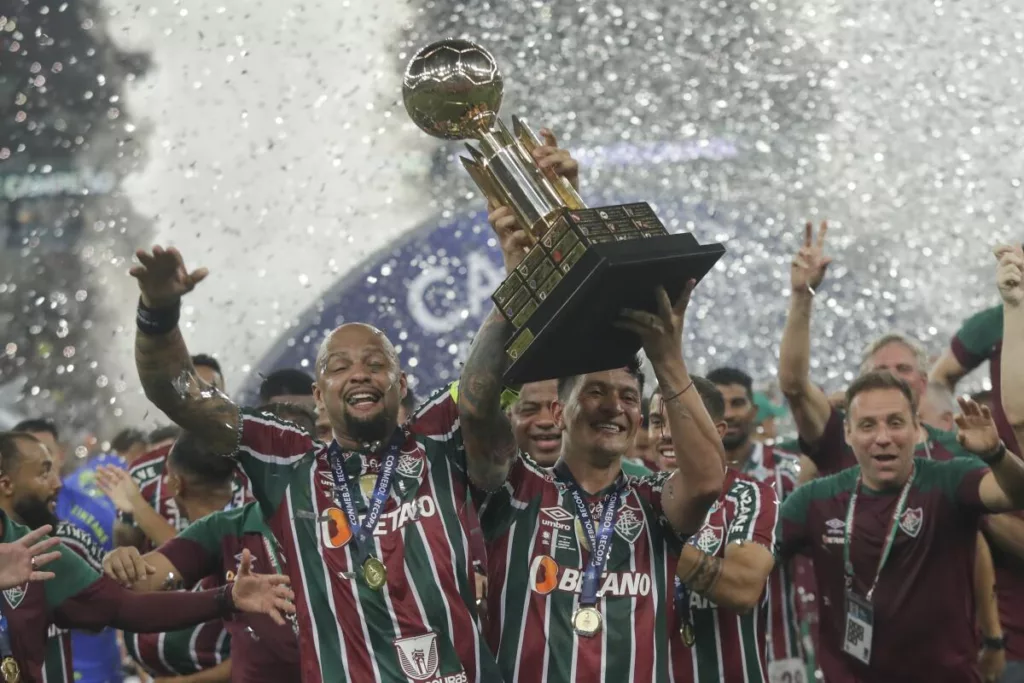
[{"x": 571, "y": 332}]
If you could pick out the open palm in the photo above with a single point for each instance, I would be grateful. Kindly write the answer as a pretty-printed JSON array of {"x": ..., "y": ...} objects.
[
  {"x": 163, "y": 278},
  {"x": 262, "y": 593},
  {"x": 20, "y": 561},
  {"x": 976, "y": 430}
]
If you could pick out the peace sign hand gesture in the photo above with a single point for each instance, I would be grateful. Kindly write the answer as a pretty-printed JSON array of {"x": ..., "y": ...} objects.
[{"x": 809, "y": 265}]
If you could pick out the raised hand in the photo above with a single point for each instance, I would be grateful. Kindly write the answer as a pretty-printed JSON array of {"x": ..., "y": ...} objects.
[
  {"x": 809, "y": 265},
  {"x": 262, "y": 593},
  {"x": 126, "y": 566},
  {"x": 976, "y": 430},
  {"x": 1010, "y": 273},
  {"x": 550, "y": 156},
  {"x": 119, "y": 486},
  {"x": 20, "y": 561},
  {"x": 661, "y": 332},
  {"x": 163, "y": 278}
]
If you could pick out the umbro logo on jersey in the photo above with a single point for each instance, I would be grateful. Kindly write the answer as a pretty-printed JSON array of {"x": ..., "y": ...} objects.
[
  {"x": 556, "y": 518},
  {"x": 15, "y": 595},
  {"x": 835, "y": 528},
  {"x": 546, "y": 576},
  {"x": 911, "y": 521}
]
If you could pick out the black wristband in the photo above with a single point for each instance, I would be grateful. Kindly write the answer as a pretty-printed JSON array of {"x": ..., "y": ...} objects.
[
  {"x": 157, "y": 321},
  {"x": 225, "y": 600},
  {"x": 990, "y": 643},
  {"x": 128, "y": 518},
  {"x": 996, "y": 456}
]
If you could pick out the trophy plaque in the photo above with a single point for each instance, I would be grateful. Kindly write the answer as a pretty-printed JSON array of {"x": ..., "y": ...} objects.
[{"x": 585, "y": 264}]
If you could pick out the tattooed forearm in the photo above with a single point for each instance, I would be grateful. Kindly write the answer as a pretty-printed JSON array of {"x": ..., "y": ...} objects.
[
  {"x": 705, "y": 575},
  {"x": 490, "y": 445},
  {"x": 171, "y": 383}
]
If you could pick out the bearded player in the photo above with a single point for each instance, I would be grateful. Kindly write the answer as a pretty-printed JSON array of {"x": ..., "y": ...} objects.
[{"x": 376, "y": 527}]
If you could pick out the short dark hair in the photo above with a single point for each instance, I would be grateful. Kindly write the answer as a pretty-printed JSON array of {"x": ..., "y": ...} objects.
[
  {"x": 207, "y": 361},
  {"x": 10, "y": 454},
  {"x": 292, "y": 412},
  {"x": 190, "y": 457},
  {"x": 38, "y": 425},
  {"x": 566, "y": 384},
  {"x": 733, "y": 376},
  {"x": 710, "y": 396},
  {"x": 409, "y": 401},
  {"x": 286, "y": 382},
  {"x": 126, "y": 438},
  {"x": 164, "y": 433},
  {"x": 880, "y": 379}
]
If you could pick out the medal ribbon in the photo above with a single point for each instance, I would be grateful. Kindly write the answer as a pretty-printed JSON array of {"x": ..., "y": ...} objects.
[
  {"x": 362, "y": 539},
  {"x": 5, "y": 637},
  {"x": 600, "y": 538},
  {"x": 890, "y": 536}
]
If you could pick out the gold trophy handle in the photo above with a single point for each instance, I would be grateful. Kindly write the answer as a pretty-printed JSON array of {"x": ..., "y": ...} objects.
[
  {"x": 489, "y": 188},
  {"x": 529, "y": 140}
]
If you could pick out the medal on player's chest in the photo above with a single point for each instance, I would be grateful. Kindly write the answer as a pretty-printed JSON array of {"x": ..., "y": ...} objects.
[
  {"x": 375, "y": 490},
  {"x": 586, "y": 621},
  {"x": 594, "y": 532},
  {"x": 687, "y": 634},
  {"x": 10, "y": 670}
]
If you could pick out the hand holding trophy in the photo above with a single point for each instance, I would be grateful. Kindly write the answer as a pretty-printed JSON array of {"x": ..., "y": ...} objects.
[{"x": 584, "y": 265}]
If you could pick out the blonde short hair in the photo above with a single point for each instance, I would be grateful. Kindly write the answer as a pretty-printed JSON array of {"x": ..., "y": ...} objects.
[{"x": 920, "y": 354}]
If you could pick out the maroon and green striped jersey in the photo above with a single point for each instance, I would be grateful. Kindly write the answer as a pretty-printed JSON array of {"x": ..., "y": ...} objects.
[
  {"x": 980, "y": 338},
  {"x": 32, "y": 608},
  {"x": 190, "y": 650},
  {"x": 729, "y": 647},
  {"x": 422, "y": 625},
  {"x": 261, "y": 651},
  {"x": 58, "y": 666},
  {"x": 780, "y": 470},
  {"x": 536, "y": 556},
  {"x": 924, "y": 602}
]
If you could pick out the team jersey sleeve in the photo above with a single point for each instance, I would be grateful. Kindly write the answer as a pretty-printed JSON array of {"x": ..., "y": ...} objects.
[
  {"x": 829, "y": 452},
  {"x": 977, "y": 337},
  {"x": 267, "y": 448},
  {"x": 73, "y": 575},
  {"x": 82, "y": 543},
  {"x": 498, "y": 508},
  {"x": 146, "y": 475},
  {"x": 436, "y": 421},
  {"x": 756, "y": 516},
  {"x": 791, "y": 533},
  {"x": 196, "y": 551},
  {"x": 960, "y": 479}
]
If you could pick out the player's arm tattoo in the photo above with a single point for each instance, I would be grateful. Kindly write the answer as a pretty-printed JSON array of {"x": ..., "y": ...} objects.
[
  {"x": 486, "y": 432},
  {"x": 703, "y": 577},
  {"x": 172, "y": 384}
]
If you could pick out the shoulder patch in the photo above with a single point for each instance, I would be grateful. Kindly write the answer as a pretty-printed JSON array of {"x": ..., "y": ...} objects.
[{"x": 81, "y": 542}]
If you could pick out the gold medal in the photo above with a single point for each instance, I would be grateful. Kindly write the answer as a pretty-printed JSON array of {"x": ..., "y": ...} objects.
[
  {"x": 686, "y": 633},
  {"x": 375, "y": 573},
  {"x": 587, "y": 622},
  {"x": 367, "y": 483},
  {"x": 10, "y": 670}
]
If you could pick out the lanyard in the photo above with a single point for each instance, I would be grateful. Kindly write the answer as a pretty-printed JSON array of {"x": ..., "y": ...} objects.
[
  {"x": 5, "y": 637},
  {"x": 890, "y": 536},
  {"x": 599, "y": 537},
  {"x": 343, "y": 495}
]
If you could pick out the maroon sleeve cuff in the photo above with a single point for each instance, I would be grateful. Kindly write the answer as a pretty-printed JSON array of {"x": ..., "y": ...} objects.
[
  {"x": 964, "y": 356},
  {"x": 191, "y": 559},
  {"x": 104, "y": 603}
]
